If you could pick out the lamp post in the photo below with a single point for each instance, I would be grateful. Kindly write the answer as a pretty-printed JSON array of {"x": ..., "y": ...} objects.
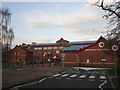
[
  {"x": 77, "y": 59},
  {"x": 63, "y": 55},
  {"x": 115, "y": 64},
  {"x": 115, "y": 49}
]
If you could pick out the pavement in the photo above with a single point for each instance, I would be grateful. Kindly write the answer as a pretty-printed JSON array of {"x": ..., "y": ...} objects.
[{"x": 17, "y": 76}]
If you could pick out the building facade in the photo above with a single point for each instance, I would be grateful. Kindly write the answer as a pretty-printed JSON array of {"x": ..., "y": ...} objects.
[
  {"x": 95, "y": 54},
  {"x": 20, "y": 55},
  {"x": 84, "y": 53}
]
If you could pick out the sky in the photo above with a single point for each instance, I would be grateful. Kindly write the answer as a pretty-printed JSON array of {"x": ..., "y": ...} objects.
[{"x": 46, "y": 22}]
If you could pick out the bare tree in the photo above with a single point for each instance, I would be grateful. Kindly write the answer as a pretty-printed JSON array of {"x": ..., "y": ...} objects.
[
  {"x": 6, "y": 33},
  {"x": 113, "y": 17}
]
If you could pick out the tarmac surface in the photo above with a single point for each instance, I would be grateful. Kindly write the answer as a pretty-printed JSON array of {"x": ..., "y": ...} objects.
[
  {"x": 17, "y": 76},
  {"x": 72, "y": 78}
]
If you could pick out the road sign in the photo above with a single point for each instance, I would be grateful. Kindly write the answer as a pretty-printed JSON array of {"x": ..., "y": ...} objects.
[
  {"x": 115, "y": 47},
  {"x": 57, "y": 51}
]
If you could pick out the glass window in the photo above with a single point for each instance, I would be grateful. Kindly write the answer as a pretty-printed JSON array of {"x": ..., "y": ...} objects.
[
  {"x": 44, "y": 48},
  {"x": 49, "y": 47},
  {"x": 60, "y": 47},
  {"x": 40, "y": 48},
  {"x": 35, "y": 48},
  {"x": 54, "y": 47}
]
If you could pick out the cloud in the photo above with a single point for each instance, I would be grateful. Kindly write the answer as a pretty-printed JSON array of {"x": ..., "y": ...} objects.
[
  {"x": 45, "y": 20},
  {"x": 44, "y": 40},
  {"x": 84, "y": 23},
  {"x": 20, "y": 40},
  {"x": 55, "y": 0}
]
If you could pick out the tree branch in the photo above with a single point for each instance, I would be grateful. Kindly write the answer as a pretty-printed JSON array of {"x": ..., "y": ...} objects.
[{"x": 108, "y": 9}]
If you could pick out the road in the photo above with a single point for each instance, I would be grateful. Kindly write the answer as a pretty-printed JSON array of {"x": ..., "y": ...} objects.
[{"x": 73, "y": 78}]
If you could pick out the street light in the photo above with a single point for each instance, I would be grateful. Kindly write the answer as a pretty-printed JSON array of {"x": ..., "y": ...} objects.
[
  {"x": 77, "y": 59},
  {"x": 115, "y": 49},
  {"x": 63, "y": 55}
]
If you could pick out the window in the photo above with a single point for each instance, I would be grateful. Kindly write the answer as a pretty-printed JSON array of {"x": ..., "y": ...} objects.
[
  {"x": 40, "y": 48},
  {"x": 54, "y": 47},
  {"x": 44, "y": 48},
  {"x": 49, "y": 47},
  {"x": 60, "y": 47},
  {"x": 35, "y": 48}
]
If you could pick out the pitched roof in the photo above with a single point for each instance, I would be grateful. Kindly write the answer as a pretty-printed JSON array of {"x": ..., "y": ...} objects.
[
  {"x": 80, "y": 47},
  {"x": 82, "y": 42},
  {"x": 62, "y": 41},
  {"x": 90, "y": 45},
  {"x": 74, "y": 47},
  {"x": 27, "y": 50},
  {"x": 55, "y": 44}
]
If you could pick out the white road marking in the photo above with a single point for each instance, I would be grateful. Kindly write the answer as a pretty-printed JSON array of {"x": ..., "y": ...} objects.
[
  {"x": 92, "y": 77},
  {"x": 102, "y": 85},
  {"x": 102, "y": 77},
  {"x": 25, "y": 85},
  {"x": 28, "y": 84},
  {"x": 18, "y": 69},
  {"x": 64, "y": 75},
  {"x": 42, "y": 80},
  {"x": 90, "y": 68},
  {"x": 73, "y": 75},
  {"x": 103, "y": 73},
  {"x": 49, "y": 77},
  {"x": 82, "y": 76},
  {"x": 56, "y": 75}
]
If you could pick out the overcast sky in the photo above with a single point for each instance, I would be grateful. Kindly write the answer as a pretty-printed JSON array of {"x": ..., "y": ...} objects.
[{"x": 45, "y": 22}]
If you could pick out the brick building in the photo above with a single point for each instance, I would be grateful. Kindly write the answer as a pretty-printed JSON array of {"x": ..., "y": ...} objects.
[
  {"x": 95, "y": 54},
  {"x": 19, "y": 54},
  {"x": 90, "y": 53}
]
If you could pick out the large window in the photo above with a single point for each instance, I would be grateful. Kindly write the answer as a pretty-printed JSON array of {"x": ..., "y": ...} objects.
[
  {"x": 39, "y": 48},
  {"x": 45, "y": 48},
  {"x": 49, "y": 47},
  {"x": 54, "y": 47},
  {"x": 35, "y": 48},
  {"x": 61, "y": 47}
]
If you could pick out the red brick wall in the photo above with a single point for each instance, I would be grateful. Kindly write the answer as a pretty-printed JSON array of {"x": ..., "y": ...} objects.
[
  {"x": 95, "y": 55},
  {"x": 70, "y": 58},
  {"x": 16, "y": 53}
]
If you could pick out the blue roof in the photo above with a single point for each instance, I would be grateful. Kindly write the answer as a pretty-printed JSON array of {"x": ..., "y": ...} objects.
[
  {"x": 74, "y": 47},
  {"x": 46, "y": 44},
  {"x": 55, "y": 44},
  {"x": 42, "y": 44},
  {"x": 82, "y": 42}
]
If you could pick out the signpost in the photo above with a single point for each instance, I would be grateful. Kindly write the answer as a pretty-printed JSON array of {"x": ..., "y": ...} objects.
[
  {"x": 57, "y": 51},
  {"x": 115, "y": 49},
  {"x": 77, "y": 59},
  {"x": 63, "y": 55}
]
